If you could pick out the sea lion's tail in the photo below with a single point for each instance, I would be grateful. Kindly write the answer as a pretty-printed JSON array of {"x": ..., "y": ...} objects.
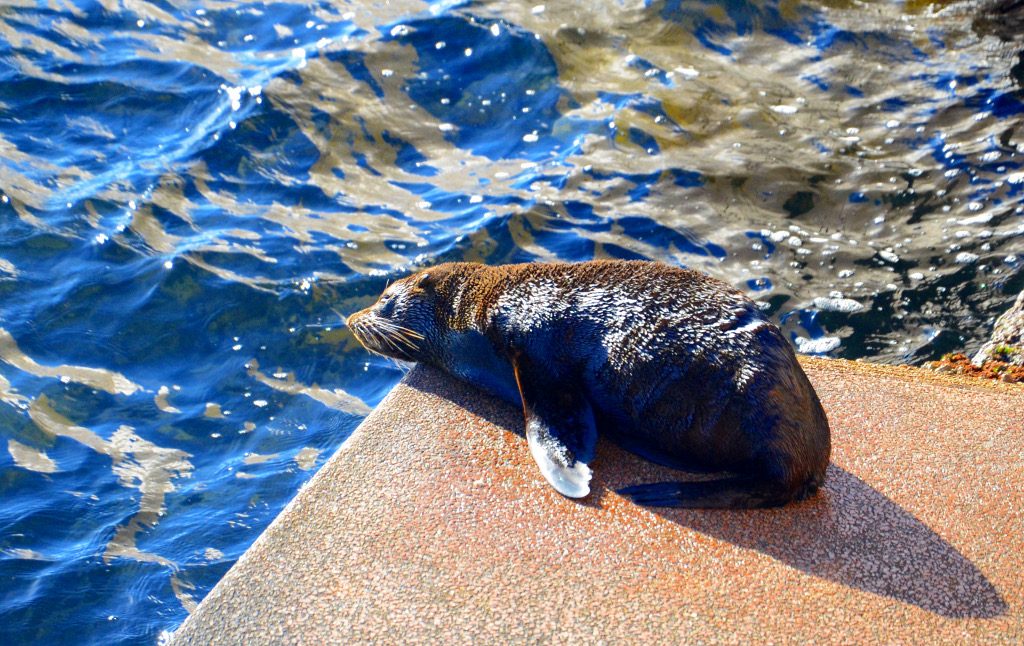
[{"x": 725, "y": 493}]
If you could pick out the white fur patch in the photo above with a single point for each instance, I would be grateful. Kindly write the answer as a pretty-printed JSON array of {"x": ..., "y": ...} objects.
[
  {"x": 750, "y": 327},
  {"x": 529, "y": 306},
  {"x": 572, "y": 482}
]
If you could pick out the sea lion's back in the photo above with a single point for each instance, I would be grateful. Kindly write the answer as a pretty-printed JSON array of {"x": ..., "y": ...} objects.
[{"x": 686, "y": 367}]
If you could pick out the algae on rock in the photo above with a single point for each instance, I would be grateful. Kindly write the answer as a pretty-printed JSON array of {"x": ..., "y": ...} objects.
[{"x": 1007, "y": 341}]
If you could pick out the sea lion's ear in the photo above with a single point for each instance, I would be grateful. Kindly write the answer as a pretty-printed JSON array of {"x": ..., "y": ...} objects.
[
  {"x": 422, "y": 281},
  {"x": 560, "y": 427}
]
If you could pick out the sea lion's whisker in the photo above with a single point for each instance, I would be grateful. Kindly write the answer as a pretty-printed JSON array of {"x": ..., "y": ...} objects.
[
  {"x": 386, "y": 324},
  {"x": 413, "y": 333},
  {"x": 405, "y": 336},
  {"x": 409, "y": 343},
  {"x": 356, "y": 332},
  {"x": 377, "y": 352},
  {"x": 401, "y": 365},
  {"x": 368, "y": 337},
  {"x": 391, "y": 325},
  {"x": 394, "y": 337},
  {"x": 399, "y": 333},
  {"x": 380, "y": 337},
  {"x": 391, "y": 342},
  {"x": 389, "y": 339}
]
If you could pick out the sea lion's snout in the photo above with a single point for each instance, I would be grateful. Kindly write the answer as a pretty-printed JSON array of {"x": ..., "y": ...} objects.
[
  {"x": 353, "y": 323},
  {"x": 351, "y": 318}
]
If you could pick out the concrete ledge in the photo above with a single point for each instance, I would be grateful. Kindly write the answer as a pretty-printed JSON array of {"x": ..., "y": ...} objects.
[{"x": 431, "y": 524}]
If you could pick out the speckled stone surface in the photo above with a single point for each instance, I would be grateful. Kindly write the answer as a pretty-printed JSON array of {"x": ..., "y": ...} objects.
[{"x": 431, "y": 524}]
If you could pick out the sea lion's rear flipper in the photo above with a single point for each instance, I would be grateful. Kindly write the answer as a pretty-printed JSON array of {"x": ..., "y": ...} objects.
[
  {"x": 560, "y": 427},
  {"x": 725, "y": 493}
]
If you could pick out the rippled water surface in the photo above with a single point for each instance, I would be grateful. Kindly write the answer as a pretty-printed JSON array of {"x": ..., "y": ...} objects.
[{"x": 191, "y": 193}]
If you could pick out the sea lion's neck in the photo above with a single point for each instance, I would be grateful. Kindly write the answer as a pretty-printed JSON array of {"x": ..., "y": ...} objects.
[{"x": 476, "y": 296}]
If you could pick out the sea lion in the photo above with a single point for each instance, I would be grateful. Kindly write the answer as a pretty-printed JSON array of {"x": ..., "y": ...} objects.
[{"x": 670, "y": 363}]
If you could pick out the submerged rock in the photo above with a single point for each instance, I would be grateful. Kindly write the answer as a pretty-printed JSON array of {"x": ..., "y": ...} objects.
[{"x": 1001, "y": 18}]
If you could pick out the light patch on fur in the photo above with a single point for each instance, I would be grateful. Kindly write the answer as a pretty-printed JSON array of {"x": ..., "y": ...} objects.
[
  {"x": 570, "y": 481},
  {"x": 639, "y": 325},
  {"x": 750, "y": 327},
  {"x": 623, "y": 315},
  {"x": 532, "y": 304}
]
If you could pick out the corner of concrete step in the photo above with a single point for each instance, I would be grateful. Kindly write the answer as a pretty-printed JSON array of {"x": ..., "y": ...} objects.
[{"x": 431, "y": 524}]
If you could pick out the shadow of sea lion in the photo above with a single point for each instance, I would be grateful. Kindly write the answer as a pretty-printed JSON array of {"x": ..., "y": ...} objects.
[
  {"x": 849, "y": 533},
  {"x": 856, "y": 536}
]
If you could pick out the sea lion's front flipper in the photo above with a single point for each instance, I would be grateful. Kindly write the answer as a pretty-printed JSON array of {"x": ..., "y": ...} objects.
[{"x": 560, "y": 427}]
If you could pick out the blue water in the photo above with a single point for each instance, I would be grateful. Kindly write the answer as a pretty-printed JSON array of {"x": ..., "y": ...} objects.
[{"x": 191, "y": 196}]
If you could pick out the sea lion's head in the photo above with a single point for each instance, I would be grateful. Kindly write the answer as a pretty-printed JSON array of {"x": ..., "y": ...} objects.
[{"x": 403, "y": 322}]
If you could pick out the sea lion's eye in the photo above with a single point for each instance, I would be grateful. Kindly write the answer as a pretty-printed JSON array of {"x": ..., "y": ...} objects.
[{"x": 387, "y": 304}]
